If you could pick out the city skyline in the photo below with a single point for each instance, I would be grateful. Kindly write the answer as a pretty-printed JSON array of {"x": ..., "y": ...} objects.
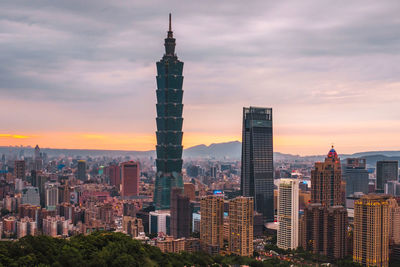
[
  {"x": 108, "y": 159},
  {"x": 87, "y": 72}
]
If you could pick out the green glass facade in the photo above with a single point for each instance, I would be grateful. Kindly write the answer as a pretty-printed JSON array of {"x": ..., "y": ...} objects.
[{"x": 169, "y": 124}]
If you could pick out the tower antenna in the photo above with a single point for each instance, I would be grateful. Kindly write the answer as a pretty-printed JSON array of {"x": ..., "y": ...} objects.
[{"x": 170, "y": 27}]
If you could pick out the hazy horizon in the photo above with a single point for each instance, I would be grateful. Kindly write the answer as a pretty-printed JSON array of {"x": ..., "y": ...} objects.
[{"x": 82, "y": 74}]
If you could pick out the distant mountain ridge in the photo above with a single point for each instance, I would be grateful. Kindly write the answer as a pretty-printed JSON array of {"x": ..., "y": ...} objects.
[
  {"x": 219, "y": 151},
  {"x": 228, "y": 150}
]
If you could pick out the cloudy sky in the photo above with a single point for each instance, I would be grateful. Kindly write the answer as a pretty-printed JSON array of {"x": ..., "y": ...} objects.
[{"x": 81, "y": 74}]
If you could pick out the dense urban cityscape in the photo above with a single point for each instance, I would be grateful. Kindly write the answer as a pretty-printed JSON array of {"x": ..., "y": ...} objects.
[{"x": 237, "y": 203}]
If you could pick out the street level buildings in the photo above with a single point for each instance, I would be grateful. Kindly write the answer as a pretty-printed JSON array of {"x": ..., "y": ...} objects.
[{"x": 81, "y": 172}]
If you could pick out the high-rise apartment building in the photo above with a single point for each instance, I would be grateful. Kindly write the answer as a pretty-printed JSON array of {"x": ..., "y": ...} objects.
[
  {"x": 387, "y": 170},
  {"x": 55, "y": 226},
  {"x": 114, "y": 174},
  {"x": 130, "y": 174},
  {"x": 37, "y": 152},
  {"x": 257, "y": 178},
  {"x": 241, "y": 221},
  {"x": 356, "y": 176},
  {"x": 19, "y": 169},
  {"x": 81, "y": 172},
  {"x": 212, "y": 223},
  {"x": 371, "y": 231},
  {"x": 394, "y": 219},
  {"x": 38, "y": 160},
  {"x": 190, "y": 191},
  {"x": 288, "y": 214},
  {"x": 326, "y": 178},
  {"x": 132, "y": 226},
  {"x": 392, "y": 188},
  {"x": 159, "y": 222},
  {"x": 169, "y": 124},
  {"x": 39, "y": 182},
  {"x": 30, "y": 195},
  {"x": 324, "y": 225},
  {"x": 26, "y": 226},
  {"x": 181, "y": 214},
  {"x": 51, "y": 195},
  {"x": 213, "y": 171},
  {"x": 324, "y": 230}
]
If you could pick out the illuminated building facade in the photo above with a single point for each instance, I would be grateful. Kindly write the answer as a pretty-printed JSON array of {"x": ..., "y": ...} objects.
[
  {"x": 212, "y": 223},
  {"x": 241, "y": 220},
  {"x": 371, "y": 231}
]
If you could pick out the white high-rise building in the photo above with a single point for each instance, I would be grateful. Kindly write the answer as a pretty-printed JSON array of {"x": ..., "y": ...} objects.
[
  {"x": 51, "y": 195},
  {"x": 159, "y": 221},
  {"x": 288, "y": 213}
]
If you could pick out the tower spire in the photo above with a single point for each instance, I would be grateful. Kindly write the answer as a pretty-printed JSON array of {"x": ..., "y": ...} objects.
[
  {"x": 170, "y": 28},
  {"x": 170, "y": 33},
  {"x": 170, "y": 41}
]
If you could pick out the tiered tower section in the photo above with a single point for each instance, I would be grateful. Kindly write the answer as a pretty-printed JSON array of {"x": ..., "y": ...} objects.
[{"x": 169, "y": 124}]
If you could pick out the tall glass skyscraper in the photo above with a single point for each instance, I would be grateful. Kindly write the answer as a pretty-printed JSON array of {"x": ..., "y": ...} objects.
[
  {"x": 169, "y": 124},
  {"x": 257, "y": 179}
]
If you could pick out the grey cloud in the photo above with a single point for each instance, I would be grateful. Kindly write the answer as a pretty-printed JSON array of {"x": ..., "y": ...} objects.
[{"x": 278, "y": 53}]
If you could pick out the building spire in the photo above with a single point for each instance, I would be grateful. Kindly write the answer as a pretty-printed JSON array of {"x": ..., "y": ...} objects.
[
  {"x": 170, "y": 33},
  {"x": 170, "y": 28},
  {"x": 170, "y": 41}
]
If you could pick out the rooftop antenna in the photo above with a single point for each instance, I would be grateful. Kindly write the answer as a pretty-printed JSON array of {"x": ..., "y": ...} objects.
[{"x": 170, "y": 28}]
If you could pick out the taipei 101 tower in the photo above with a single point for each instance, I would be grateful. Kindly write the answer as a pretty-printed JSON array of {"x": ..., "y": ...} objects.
[{"x": 169, "y": 124}]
